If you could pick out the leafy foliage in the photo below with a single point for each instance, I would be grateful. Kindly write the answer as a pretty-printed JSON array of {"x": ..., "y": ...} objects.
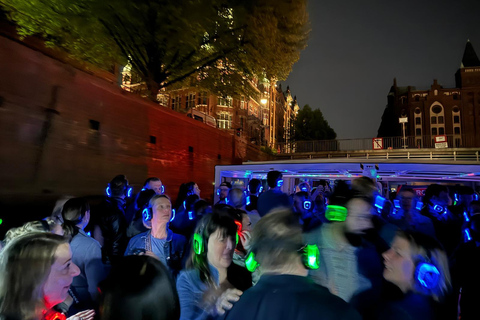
[
  {"x": 221, "y": 42},
  {"x": 311, "y": 125}
]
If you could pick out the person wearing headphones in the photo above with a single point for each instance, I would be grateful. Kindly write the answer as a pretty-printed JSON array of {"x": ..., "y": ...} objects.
[
  {"x": 304, "y": 209},
  {"x": 223, "y": 191},
  {"x": 417, "y": 267},
  {"x": 274, "y": 197},
  {"x": 212, "y": 282},
  {"x": 110, "y": 224},
  {"x": 155, "y": 184},
  {"x": 254, "y": 190},
  {"x": 284, "y": 291},
  {"x": 159, "y": 241},
  {"x": 407, "y": 217}
]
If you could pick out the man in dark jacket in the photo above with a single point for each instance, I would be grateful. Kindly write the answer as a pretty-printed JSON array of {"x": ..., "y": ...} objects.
[
  {"x": 274, "y": 197},
  {"x": 284, "y": 291},
  {"x": 109, "y": 220}
]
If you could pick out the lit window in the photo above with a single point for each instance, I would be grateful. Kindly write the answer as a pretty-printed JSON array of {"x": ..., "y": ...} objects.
[
  {"x": 190, "y": 103},
  {"x": 176, "y": 102}
]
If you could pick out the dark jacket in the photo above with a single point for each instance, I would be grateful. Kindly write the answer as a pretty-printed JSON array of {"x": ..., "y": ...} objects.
[
  {"x": 288, "y": 297},
  {"x": 174, "y": 250},
  {"x": 272, "y": 199},
  {"x": 110, "y": 218}
]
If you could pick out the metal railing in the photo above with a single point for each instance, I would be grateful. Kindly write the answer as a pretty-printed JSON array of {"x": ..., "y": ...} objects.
[{"x": 388, "y": 143}]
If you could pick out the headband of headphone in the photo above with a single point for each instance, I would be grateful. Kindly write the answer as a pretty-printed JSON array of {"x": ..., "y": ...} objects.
[
  {"x": 336, "y": 213},
  {"x": 309, "y": 252}
]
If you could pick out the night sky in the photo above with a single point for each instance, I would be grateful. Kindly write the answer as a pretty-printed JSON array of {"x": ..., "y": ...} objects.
[{"x": 356, "y": 48}]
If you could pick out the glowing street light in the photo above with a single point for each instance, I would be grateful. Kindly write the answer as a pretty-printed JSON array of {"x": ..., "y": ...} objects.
[{"x": 263, "y": 101}]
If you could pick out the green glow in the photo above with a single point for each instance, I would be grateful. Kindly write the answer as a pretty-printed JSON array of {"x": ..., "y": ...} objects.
[
  {"x": 251, "y": 263},
  {"x": 336, "y": 213},
  {"x": 1, "y": 221},
  {"x": 313, "y": 256},
  {"x": 197, "y": 243}
]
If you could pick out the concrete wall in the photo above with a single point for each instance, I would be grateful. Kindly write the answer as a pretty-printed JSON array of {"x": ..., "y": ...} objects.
[{"x": 49, "y": 145}]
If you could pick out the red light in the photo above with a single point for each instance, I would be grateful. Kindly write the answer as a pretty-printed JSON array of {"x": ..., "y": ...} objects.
[{"x": 239, "y": 226}]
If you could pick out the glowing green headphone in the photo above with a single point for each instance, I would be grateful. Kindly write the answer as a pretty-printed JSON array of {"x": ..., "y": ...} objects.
[
  {"x": 336, "y": 213},
  {"x": 310, "y": 257}
]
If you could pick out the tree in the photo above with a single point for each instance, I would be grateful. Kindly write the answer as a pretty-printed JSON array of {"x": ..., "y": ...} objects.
[
  {"x": 222, "y": 43},
  {"x": 311, "y": 125}
]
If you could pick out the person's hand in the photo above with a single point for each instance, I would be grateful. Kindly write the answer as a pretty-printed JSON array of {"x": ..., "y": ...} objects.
[
  {"x": 224, "y": 302},
  {"x": 83, "y": 315},
  {"x": 245, "y": 237}
]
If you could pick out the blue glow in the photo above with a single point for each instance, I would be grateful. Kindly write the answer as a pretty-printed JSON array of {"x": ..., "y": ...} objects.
[
  {"x": 143, "y": 189},
  {"x": 226, "y": 201},
  {"x": 465, "y": 215},
  {"x": 184, "y": 205},
  {"x": 107, "y": 191},
  {"x": 147, "y": 216},
  {"x": 428, "y": 275},
  {"x": 396, "y": 203},
  {"x": 467, "y": 235},
  {"x": 280, "y": 183},
  {"x": 248, "y": 201},
  {"x": 304, "y": 189},
  {"x": 261, "y": 189},
  {"x": 163, "y": 189},
  {"x": 475, "y": 196},
  {"x": 307, "y": 204},
  {"x": 129, "y": 192},
  {"x": 190, "y": 215},
  {"x": 218, "y": 192},
  {"x": 419, "y": 205},
  {"x": 89, "y": 234},
  {"x": 248, "y": 188},
  {"x": 173, "y": 215},
  {"x": 439, "y": 209},
  {"x": 455, "y": 197},
  {"x": 379, "y": 203}
]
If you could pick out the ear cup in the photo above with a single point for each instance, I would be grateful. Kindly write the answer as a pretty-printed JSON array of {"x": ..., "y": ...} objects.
[
  {"x": 129, "y": 192},
  {"x": 250, "y": 263},
  {"x": 108, "y": 191},
  {"x": 163, "y": 189},
  {"x": 261, "y": 189},
  {"x": 307, "y": 204},
  {"x": 336, "y": 213},
  {"x": 311, "y": 256},
  {"x": 218, "y": 192},
  {"x": 173, "y": 215},
  {"x": 147, "y": 214},
  {"x": 198, "y": 247},
  {"x": 427, "y": 275}
]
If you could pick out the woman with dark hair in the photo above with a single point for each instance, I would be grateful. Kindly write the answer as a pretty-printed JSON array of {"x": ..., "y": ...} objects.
[
  {"x": 186, "y": 190},
  {"x": 139, "y": 288},
  {"x": 417, "y": 266},
  {"x": 36, "y": 271},
  {"x": 86, "y": 254},
  {"x": 212, "y": 282}
]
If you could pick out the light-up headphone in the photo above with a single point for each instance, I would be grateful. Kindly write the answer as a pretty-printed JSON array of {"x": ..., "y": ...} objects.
[
  {"x": 198, "y": 243},
  {"x": 147, "y": 214},
  {"x": 439, "y": 209},
  {"x": 427, "y": 275},
  {"x": 259, "y": 189},
  {"x": 307, "y": 204},
  {"x": 279, "y": 183},
  {"x": 128, "y": 189},
  {"x": 310, "y": 258},
  {"x": 336, "y": 213}
]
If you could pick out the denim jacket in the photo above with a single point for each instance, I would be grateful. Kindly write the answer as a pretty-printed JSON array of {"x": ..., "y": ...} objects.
[{"x": 175, "y": 249}]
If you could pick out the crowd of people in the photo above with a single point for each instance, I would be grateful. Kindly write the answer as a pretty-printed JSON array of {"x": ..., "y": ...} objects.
[{"x": 342, "y": 251}]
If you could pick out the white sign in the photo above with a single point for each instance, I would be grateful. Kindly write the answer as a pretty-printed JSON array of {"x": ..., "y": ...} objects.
[
  {"x": 441, "y": 145},
  {"x": 377, "y": 143},
  {"x": 439, "y": 139},
  {"x": 403, "y": 120}
]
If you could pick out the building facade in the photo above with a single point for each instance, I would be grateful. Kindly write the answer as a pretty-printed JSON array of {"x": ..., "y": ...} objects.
[{"x": 437, "y": 111}]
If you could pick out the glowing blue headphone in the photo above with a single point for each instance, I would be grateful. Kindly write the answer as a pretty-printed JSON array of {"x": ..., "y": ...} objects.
[
  {"x": 260, "y": 189},
  {"x": 427, "y": 275},
  {"x": 190, "y": 215},
  {"x": 380, "y": 203},
  {"x": 455, "y": 199},
  {"x": 475, "y": 196},
  {"x": 279, "y": 183},
  {"x": 438, "y": 208},
  {"x": 129, "y": 191},
  {"x": 396, "y": 204},
  {"x": 162, "y": 190},
  {"x": 248, "y": 201},
  {"x": 147, "y": 214},
  {"x": 307, "y": 204}
]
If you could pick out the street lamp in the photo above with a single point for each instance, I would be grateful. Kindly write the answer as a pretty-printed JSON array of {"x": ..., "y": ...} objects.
[
  {"x": 403, "y": 120},
  {"x": 263, "y": 101}
]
